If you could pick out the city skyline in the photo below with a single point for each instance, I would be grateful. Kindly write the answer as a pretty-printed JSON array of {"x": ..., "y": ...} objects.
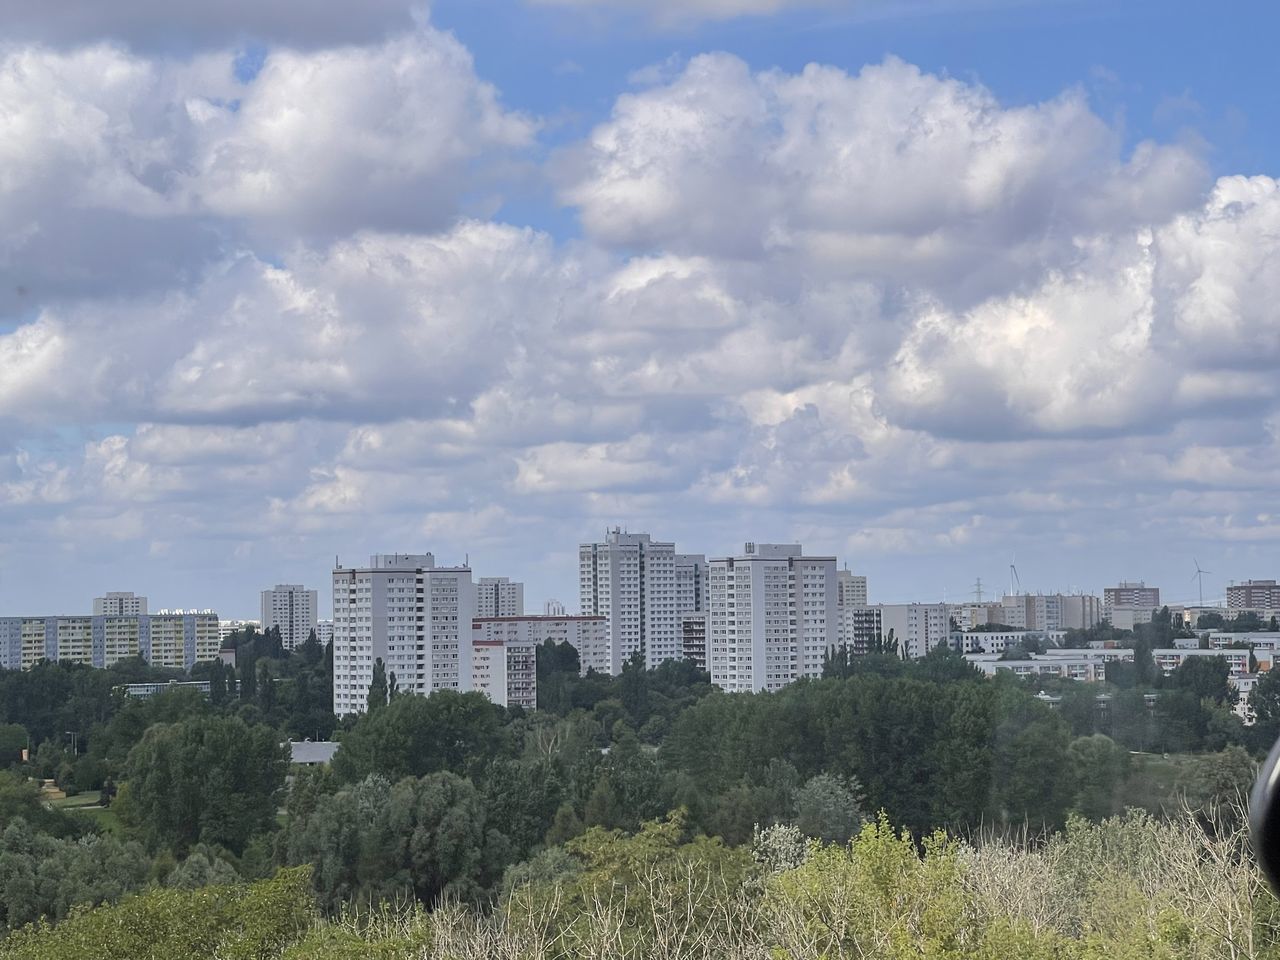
[{"x": 915, "y": 287}]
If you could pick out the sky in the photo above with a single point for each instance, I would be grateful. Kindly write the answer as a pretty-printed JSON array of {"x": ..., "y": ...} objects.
[{"x": 935, "y": 286}]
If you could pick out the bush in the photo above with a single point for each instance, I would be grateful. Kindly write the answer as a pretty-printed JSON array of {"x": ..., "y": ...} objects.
[{"x": 237, "y": 922}]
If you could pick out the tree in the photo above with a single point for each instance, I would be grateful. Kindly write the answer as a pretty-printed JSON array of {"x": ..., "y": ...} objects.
[
  {"x": 213, "y": 780},
  {"x": 378, "y": 690},
  {"x": 412, "y": 736},
  {"x": 1264, "y": 701},
  {"x": 1205, "y": 678},
  {"x": 426, "y": 837},
  {"x": 829, "y": 808},
  {"x": 1097, "y": 767},
  {"x": 13, "y": 740}
]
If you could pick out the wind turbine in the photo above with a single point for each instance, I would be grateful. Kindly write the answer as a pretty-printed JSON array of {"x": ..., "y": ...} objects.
[{"x": 1199, "y": 575}]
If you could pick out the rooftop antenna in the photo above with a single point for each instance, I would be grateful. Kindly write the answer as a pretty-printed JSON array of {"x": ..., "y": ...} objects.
[{"x": 1199, "y": 575}]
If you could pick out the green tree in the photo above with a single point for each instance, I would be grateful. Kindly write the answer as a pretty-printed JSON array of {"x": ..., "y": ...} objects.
[
  {"x": 213, "y": 780},
  {"x": 1097, "y": 767},
  {"x": 1264, "y": 701},
  {"x": 379, "y": 692},
  {"x": 829, "y": 808},
  {"x": 1205, "y": 678},
  {"x": 13, "y": 740},
  {"x": 412, "y": 736},
  {"x": 425, "y": 837}
]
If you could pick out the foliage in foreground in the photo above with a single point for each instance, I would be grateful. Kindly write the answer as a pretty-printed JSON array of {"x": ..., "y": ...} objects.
[{"x": 1128, "y": 888}]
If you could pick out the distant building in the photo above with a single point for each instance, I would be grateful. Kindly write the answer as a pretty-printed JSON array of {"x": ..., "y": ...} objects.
[
  {"x": 1049, "y": 611},
  {"x": 291, "y": 608},
  {"x": 499, "y": 597},
  {"x": 119, "y": 605},
  {"x": 918, "y": 627},
  {"x": 504, "y": 663},
  {"x": 324, "y": 632},
  {"x": 227, "y": 627},
  {"x": 1084, "y": 665},
  {"x": 588, "y": 635},
  {"x": 851, "y": 595},
  {"x": 630, "y": 579},
  {"x": 771, "y": 617},
  {"x": 1257, "y": 595},
  {"x": 412, "y": 615},
  {"x": 998, "y": 641},
  {"x": 553, "y": 608},
  {"x": 145, "y": 691},
  {"x": 312, "y": 753},
  {"x": 177, "y": 639},
  {"x": 693, "y": 638},
  {"x": 1129, "y": 603}
]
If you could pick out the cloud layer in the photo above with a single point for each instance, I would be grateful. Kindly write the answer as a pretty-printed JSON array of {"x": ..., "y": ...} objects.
[{"x": 882, "y": 312}]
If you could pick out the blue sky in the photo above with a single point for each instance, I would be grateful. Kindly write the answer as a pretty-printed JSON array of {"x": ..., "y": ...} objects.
[{"x": 287, "y": 281}]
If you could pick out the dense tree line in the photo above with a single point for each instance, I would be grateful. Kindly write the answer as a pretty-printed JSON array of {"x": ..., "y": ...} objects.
[{"x": 438, "y": 799}]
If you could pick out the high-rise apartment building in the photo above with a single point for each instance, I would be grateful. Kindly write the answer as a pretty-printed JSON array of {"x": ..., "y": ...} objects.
[
  {"x": 120, "y": 605},
  {"x": 499, "y": 597},
  {"x": 851, "y": 596},
  {"x": 771, "y": 616},
  {"x": 1129, "y": 603},
  {"x": 631, "y": 580},
  {"x": 293, "y": 609},
  {"x": 693, "y": 638},
  {"x": 412, "y": 615},
  {"x": 691, "y": 583},
  {"x": 324, "y": 632},
  {"x": 553, "y": 608},
  {"x": 504, "y": 665},
  {"x": 917, "y": 627},
  {"x": 1254, "y": 595}
]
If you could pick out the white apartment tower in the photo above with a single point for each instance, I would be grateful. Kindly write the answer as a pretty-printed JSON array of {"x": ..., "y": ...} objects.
[
  {"x": 692, "y": 575},
  {"x": 851, "y": 596},
  {"x": 414, "y": 616},
  {"x": 771, "y": 618},
  {"x": 499, "y": 597},
  {"x": 120, "y": 605},
  {"x": 631, "y": 579},
  {"x": 293, "y": 609}
]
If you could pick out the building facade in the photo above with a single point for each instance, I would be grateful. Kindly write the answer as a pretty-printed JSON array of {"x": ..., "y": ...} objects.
[
  {"x": 771, "y": 617},
  {"x": 588, "y": 635},
  {"x": 1049, "y": 611},
  {"x": 1131, "y": 601},
  {"x": 630, "y": 579},
  {"x": 1253, "y": 595},
  {"x": 175, "y": 639},
  {"x": 499, "y": 597},
  {"x": 293, "y": 609},
  {"x": 693, "y": 638},
  {"x": 412, "y": 615},
  {"x": 504, "y": 668},
  {"x": 120, "y": 605}
]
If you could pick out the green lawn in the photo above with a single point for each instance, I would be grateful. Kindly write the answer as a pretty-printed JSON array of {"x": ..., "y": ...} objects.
[
  {"x": 90, "y": 798},
  {"x": 1151, "y": 779}
]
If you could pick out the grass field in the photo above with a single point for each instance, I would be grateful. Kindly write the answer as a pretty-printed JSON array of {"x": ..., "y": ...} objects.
[
  {"x": 87, "y": 805},
  {"x": 90, "y": 798},
  {"x": 1150, "y": 780}
]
